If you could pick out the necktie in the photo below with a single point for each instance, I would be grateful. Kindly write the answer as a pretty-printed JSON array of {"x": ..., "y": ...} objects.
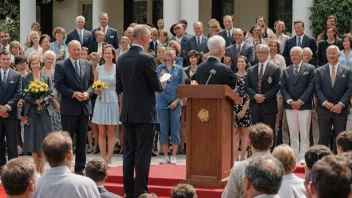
[
  {"x": 81, "y": 36},
  {"x": 77, "y": 70},
  {"x": 198, "y": 41},
  {"x": 260, "y": 78},
  {"x": 4, "y": 79},
  {"x": 333, "y": 75},
  {"x": 238, "y": 50},
  {"x": 228, "y": 34},
  {"x": 296, "y": 70},
  {"x": 299, "y": 42},
  {"x": 4, "y": 48}
]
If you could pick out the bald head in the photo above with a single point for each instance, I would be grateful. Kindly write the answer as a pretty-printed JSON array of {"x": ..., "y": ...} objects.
[
  {"x": 74, "y": 49},
  {"x": 56, "y": 146},
  {"x": 198, "y": 28},
  {"x": 80, "y": 21},
  {"x": 333, "y": 54},
  {"x": 141, "y": 35}
]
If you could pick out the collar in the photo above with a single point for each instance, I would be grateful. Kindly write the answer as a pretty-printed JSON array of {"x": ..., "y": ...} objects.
[
  {"x": 300, "y": 36},
  {"x": 215, "y": 58},
  {"x": 107, "y": 27},
  {"x": 82, "y": 30},
  {"x": 2, "y": 71},
  {"x": 137, "y": 45},
  {"x": 179, "y": 38},
  {"x": 299, "y": 65},
  {"x": 200, "y": 37},
  {"x": 229, "y": 30},
  {"x": 73, "y": 61},
  {"x": 59, "y": 169},
  {"x": 240, "y": 44},
  {"x": 265, "y": 63},
  {"x": 289, "y": 176},
  {"x": 335, "y": 66}
]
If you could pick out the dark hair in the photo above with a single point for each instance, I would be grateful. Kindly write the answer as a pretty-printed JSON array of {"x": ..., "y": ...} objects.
[
  {"x": 334, "y": 29},
  {"x": 42, "y": 37},
  {"x": 344, "y": 139},
  {"x": 315, "y": 153},
  {"x": 56, "y": 146},
  {"x": 331, "y": 17},
  {"x": 4, "y": 52},
  {"x": 331, "y": 177},
  {"x": 349, "y": 38},
  {"x": 96, "y": 169},
  {"x": 190, "y": 54},
  {"x": 253, "y": 27},
  {"x": 172, "y": 29},
  {"x": 112, "y": 50},
  {"x": 245, "y": 59},
  {"x": 183, "y": 191},
  {"x": 16, "y": 175},
  {"x": 265, "y": 174},
  {"x": 261, "y": 136},
  {"x": 20, "y": 59},
  {"x": 299, "y": 21},
  {"x": 183, "y": 21}
]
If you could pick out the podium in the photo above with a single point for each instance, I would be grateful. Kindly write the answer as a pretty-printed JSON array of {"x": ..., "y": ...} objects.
[{"x": 209, "y": 120}]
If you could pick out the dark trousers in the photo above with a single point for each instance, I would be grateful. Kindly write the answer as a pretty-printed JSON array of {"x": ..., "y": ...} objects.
[
  {"x": 8, "y": 129},
  {"x": 266, "y": 118},
  {"x": 77, "y": 125},
  {"x": 137, "y": 156},
  {"x": 326, "y": 121}
]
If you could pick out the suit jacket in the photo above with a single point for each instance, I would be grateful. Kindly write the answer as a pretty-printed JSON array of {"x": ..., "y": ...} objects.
[
  {"x": 93, "y": 47},
  {"x": 229, "y": 41},
  {"x": 270, "y": 87},
  {"x": 29, "y": 100},
  {"x": 11, "y": 93},
  {"x": 137, "y": 79},
  {"x": 300, "y": 87},
  {"x": 192, "y": 45},
  {"x": 106, "y": 194},
  {"x": 67, "y": 82},
  {"x": 247, "y": 51},
  {"x": 223, "y": 76},
  {"x": 306, "y": 42},
  {"x": 152, "y": 47},
  {"x": 111, "y": 36},
  {"x": 183, "y": 45},
  {"x": 340, "y": 93},
  {"x": 87, "y": 37}
]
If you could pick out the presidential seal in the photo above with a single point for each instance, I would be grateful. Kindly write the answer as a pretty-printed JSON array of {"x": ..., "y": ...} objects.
[{"x": 203, "y": 115}]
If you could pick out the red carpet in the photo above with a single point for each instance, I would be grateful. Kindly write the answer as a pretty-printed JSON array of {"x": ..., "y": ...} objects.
[{"x": 162, "y": 178}]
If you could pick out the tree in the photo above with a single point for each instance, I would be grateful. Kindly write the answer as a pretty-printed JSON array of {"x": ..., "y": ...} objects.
[{"x": 321, "y": 9}]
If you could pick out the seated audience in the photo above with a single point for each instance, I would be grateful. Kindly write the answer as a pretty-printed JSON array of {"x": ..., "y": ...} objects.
[
  {"x": 344, "y": 142},
  {"x": 331, "y": 177},
  {"x": 292, "y": 186},
  {"x": 260, "y": 140},
  {"x": 183, "y": 191},
  {"x": 58, "y": 180},
  {"x": 97, "y": 170},
  {"x": 263, "y": 177},
  {"x": 18, "y": 178}
]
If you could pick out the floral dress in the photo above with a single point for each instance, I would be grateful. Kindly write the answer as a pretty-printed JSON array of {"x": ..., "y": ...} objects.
[{"x": 241, "y": 92}]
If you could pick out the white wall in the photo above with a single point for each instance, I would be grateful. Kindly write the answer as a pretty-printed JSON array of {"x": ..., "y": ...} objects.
[{"x": 64, "y": 14}]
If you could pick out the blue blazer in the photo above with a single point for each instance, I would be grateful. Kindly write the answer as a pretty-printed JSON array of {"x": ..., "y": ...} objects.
[
  {"x": 11, "y": 93},
  {"x": 87, "y": 37}
]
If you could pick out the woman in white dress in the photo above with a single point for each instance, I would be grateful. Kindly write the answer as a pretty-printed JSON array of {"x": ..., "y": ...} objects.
[
  {"x": 106, "y": 110},
  {"x": 34, "y": 45}
]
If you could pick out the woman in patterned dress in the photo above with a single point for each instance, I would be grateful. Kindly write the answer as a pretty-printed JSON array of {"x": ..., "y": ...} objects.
[{"x": 242, "y": 119}]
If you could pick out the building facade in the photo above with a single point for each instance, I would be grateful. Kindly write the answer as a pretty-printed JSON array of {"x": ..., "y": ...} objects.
[{"x": 123, "y": 12}]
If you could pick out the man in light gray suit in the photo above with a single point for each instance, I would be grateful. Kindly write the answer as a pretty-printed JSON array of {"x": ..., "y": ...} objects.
[
  {"x": 240, "y": 48},
  {"x": 297, "y": 86},
  {"x": 227, "y": 33},
  {"x": 199, "y": 41},
  {"x": 333, "y": 83}
]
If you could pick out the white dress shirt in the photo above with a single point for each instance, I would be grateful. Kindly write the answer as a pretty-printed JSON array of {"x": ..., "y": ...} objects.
[
  {"x": 106, "y": 29},
  {"x": 200, "y": 39},
  {"x": 241, "y": 46},
  {"x": 2, "y": 73},
  {"x": 178, "y": 39},
  {"x": 100, "y": 48},
  {"x": 260, "y": 64},
  {"x": 7, "y": 47},
  {"x": 231, "y": 32},
  {"x": 298, "y": 39},
  {"x": 292, "y": 187}
]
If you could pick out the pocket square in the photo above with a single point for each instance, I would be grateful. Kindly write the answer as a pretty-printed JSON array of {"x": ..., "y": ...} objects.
[
  {"x": 12, "y": 81},
  {"x": 305, "y": 73},
  {"x": 111, "y": 36}
]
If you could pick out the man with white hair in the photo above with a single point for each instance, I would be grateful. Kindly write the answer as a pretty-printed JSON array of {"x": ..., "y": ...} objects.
[
  {"x": 297, "y": 86},
  {"x": 80, "y": 34},
  {"x": 262, "y": 85},
  {"x": 223, "y": 74},
  {"x": 333, "y": 89}
]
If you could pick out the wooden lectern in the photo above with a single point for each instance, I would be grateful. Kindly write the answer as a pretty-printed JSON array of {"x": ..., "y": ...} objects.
[{"x": 209, "y": 133}]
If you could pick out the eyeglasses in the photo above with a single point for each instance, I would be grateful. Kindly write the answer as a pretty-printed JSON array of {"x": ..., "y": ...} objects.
[
  {"x": 261, "y": 52},
  {"x": 212, "y": 27}
]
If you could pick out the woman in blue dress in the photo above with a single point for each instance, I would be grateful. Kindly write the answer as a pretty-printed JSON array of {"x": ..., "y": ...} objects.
[
  {"x": 169, "y": 105},
  {"x": 346, "y": 54},
  {"x": 106, "y": 110}
]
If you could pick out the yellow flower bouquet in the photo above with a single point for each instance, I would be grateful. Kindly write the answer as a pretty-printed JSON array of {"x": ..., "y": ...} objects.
[
  {"x": 99, "y": 86},
  {"x": 38, "y": 90}
]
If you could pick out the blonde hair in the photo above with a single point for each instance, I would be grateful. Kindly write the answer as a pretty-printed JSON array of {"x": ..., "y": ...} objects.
[
  {"x": 215, "y": 22},
  {"x": 280, "y": 22},
  {"x": 32, "y": 34},
  {"x": 126, "y": 39},
  {"x": 285, "y": 154},
  {"x": 34, "y": 58}
]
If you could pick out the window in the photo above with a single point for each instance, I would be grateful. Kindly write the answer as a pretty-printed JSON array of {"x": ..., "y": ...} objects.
[
  {"x": 140, "y": 10},
  {"x": 157, "y": 11},
  {"x": 221, "y": 8},
  {"x": 87, "y": 12},
  {"x": 281, "y": 10}
]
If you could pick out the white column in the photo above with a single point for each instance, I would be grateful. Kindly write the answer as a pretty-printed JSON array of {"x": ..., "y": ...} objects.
[
  {"x": 171, "y": 12},
  {"x": 99, "y": 6},
  {"x": 27, "y": 17},
  {"x": 300, "y": 11},
  {"x": 190, "y": 12}
]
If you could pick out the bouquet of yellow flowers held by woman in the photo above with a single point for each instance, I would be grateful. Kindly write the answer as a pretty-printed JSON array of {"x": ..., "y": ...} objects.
[
  {"x": 98, "y": 87},
  {"x": 38, "y": 90}
]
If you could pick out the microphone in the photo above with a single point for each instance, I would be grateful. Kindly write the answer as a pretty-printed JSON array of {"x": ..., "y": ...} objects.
[{"x": 211, "y": 74}]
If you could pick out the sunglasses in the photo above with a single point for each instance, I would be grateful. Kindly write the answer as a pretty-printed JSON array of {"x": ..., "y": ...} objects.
[{"x": 212, "y": 27}]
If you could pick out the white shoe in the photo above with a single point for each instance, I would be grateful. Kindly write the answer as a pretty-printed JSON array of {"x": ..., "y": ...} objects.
[
  {"x": 165, "y": 160},
  {"x": 173, "y": 160}
]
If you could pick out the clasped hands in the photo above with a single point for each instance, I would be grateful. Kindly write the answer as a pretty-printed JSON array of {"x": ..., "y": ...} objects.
[
  {"x": 81, "y": 96},
  {"x": 259, "y": 98},
  {"x": 296, "y": 104},
  {"x": 4, "y": 111},
  {"x": 333, "y": 108}
]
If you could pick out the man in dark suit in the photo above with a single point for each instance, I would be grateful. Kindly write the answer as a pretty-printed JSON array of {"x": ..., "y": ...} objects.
[
  {"x": 227, "y": 33},
  {"x": 223, "y": 75},
  {"x": 10, "y": 94},
  {"x": 262, "y": 84},
  {"x": 80, "y": 34},
  {"x": 302, "y": 41},
  {"x": 333, "y": 89},
  {"x": 181, "y": 38},
  {"x": 199, "y": 41},
  {"x": 137, "y": 79},
  {"x": 297, "y": 86},
  {"x": 153, "y": 45},
  {"x": 240, "y": 48},
  {"x": 111, "y": 36},
  {"x": 73, "y": 80}
]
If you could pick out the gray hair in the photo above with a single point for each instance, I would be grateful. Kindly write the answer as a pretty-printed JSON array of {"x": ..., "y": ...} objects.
[
  {"x": 48, "y": 53},
  {"x": 198, "y": 22},
  {"x": 80, "y": 17},
  {"x": 238, "y": 30},
  {"x": 307, "y": 49},
  {"x": 265, "y": 174},
  {"x": 215, "y": 43},
  {"x": 297, "y": 49},
  {"x": 73, "y": 42},
  {"x": 267, "y": 49},
  {"x": 335, "y": 47},
  {"x": 139, "y": 31}
]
